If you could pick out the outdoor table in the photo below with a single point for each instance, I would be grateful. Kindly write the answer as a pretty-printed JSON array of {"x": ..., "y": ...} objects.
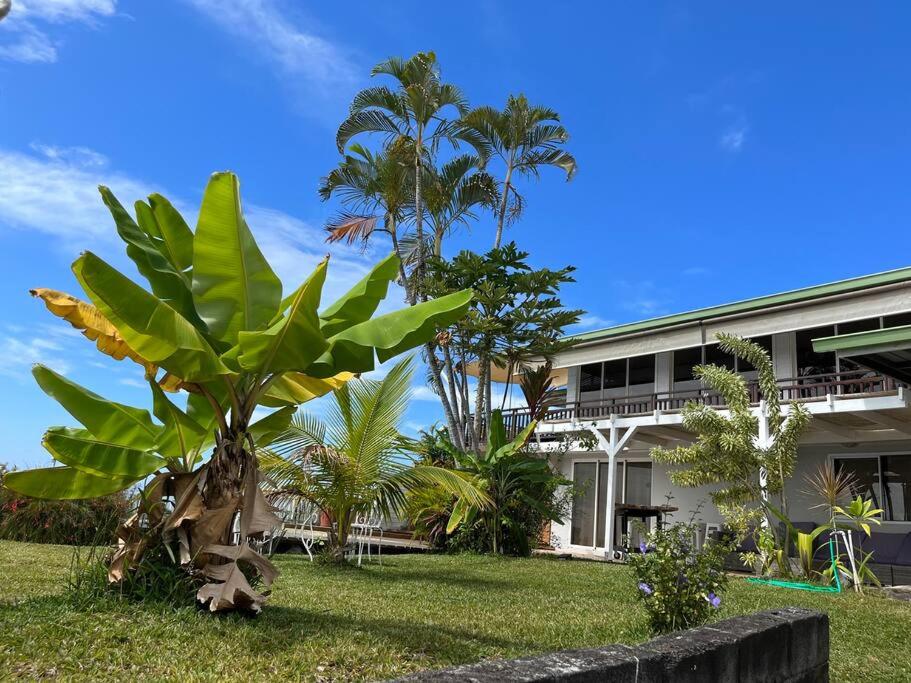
[{"x": 642, "y": 512}]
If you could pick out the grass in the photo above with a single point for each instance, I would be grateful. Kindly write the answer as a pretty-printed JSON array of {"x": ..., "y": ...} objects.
[{"x": 414, "y": 612}]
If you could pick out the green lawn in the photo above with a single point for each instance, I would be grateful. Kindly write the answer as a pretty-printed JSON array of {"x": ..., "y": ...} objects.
[{"x": 413, "y": 612}]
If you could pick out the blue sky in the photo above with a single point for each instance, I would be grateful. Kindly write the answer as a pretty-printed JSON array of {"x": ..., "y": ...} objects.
[{"x": 723, "y": 152}]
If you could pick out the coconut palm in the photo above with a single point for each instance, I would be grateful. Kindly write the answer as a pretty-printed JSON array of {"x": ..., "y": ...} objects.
[
  {"x": 525, "y": 137},
  {"x": 356, "y": 462}
]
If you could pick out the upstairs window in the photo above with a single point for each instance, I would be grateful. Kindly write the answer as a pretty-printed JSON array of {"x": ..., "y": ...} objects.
[
  {"x": 766, "y": 343},
  {"x": 808, "y": 361},
  {"x": 684, "y": 361},
  {"x": 590, "y": 377},
  {"x": 642, "y": 370},
  {"x": 715, "y": 356},
  {"x": 615, "y": 374}
]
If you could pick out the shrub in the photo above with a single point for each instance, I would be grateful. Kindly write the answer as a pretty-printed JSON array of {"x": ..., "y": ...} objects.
[
  {"x": 679, "y": 585},
  {"x": 70, "y": 522}
]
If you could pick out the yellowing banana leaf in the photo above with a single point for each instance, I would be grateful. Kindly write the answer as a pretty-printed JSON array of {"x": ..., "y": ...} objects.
[
  {"x": 105, "y": 420},
  {"x": 390, "y": 334},
  {"x": 295, "y": 388},
  {"x": 295, "y": 340},
  {"x": 242, "y": 553},
  {"x": 181, "y": 435},
  {"x": 234, "y": 591},
  {"x": 63, "y": 483},
  {"x": 362, "y": 300},
  {"x": 168, "y": 284},
  {"x": 76, "y": 448},
  {"x": 150, "y": 326},
  {"x": 175, "y": 233},
  {"x": 266, "y": 430},
  {"x": 234, "y": 288},
  {"x": 90, "y": 321}
]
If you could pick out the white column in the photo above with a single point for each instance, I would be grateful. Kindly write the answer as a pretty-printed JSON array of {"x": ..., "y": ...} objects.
[{"x": 763, "y": 441}]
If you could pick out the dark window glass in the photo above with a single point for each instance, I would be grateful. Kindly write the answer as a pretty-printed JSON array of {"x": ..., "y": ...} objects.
[
  {"x": 715, "y": 356},
  {"x": 684, "y": 360},
  {"x": 897, "y": 320},
  {"x": 858, "y": 326},
  {"x": 865, "y": 481},
  {"x": 808, "y": 361},
  {"x": 615, "y": 374},
  {"x": 590, "y": 377},
  {"x": 897, "y": 487},
  {"x": 642, "y": 370},
  {"x": 764, "y": 342}
]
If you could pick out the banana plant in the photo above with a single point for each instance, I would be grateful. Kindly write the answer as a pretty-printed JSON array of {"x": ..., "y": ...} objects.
[{"x": 215, "y": 326}]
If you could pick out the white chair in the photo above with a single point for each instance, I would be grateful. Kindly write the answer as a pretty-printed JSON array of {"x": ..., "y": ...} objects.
[
  {"x": 302, "y": 516},
  {"x": 364, "y": 530}
]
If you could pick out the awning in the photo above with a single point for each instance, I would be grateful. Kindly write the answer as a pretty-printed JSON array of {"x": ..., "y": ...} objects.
[
  {"x": 887, "y": 351},
  {"x": 558, "y": 375}
]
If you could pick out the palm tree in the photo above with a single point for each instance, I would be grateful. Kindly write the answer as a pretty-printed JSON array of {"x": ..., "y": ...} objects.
[
  {"x": 525, "y": 137},
  {"x": 452, "y": 192},
  {"x": 377, "y": 188},
  {"x": 356, "y": 461},
  {"x": 413, "y": 113}
]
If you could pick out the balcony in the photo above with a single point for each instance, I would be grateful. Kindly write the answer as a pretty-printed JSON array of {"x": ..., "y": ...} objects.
[{"x": 854, "y": 383}]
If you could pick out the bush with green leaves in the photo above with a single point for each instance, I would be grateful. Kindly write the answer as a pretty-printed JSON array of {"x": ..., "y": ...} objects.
[{"x": 679, "y": 585}]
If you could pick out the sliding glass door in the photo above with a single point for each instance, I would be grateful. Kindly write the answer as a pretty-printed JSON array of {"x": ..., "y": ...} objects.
[{"x": 632, "y": 484}]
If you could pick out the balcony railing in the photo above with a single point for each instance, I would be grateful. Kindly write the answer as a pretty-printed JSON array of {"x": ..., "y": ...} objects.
[{"x": 807, "y": 388}]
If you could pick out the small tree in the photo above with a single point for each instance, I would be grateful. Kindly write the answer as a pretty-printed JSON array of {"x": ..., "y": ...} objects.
[{"x": 731, "y": 451}]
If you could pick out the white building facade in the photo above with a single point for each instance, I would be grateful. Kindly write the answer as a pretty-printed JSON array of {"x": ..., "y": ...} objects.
[{"x": 626, "y": 387}]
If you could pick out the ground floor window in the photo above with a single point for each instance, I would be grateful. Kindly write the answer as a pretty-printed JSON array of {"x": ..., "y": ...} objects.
[{"x": 886, "y": 479}]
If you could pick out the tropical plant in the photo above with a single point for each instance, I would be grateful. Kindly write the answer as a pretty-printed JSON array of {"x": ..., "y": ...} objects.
[
  {"x": 730, "y": 452},
  {"x": 526, "y": 138},
  {"x": 678, "y": 584},
  {"x": 355, "y": 462},
  {"x": 215, "y": 322},
  {"x": 516, "y": 314},
  {"x": 515, "y": 482}
]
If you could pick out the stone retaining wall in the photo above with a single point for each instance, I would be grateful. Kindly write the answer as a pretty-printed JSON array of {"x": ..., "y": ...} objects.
[{"x": 789, "y": 645}]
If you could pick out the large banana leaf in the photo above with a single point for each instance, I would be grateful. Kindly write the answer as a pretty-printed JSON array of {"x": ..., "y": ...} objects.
[
  {"x": 388, "y": 335},
  {"x": 77, "y": 448},
  {"x": 93, "y": 324},
  {"x": 295, "y": 340},
  {"x": 152, "y": 327},
  {"x": 266, "y": 430},
  {"x": 175, "y": 233},
  {"x": 63, "y": 483},
  {"x": 362, "y": 300},
  {"x": 105, "y": 420},
  {"x": 181, "y": 434},
  {"x": 168, "y": 284},
  {"x": 294, "y": 388},
  {"x": 233, "y": 285}
]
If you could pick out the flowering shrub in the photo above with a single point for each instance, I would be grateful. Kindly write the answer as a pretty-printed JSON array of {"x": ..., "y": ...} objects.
[
  {"x": 679, "y": 585},
  {"x": 67, "y": 522}
]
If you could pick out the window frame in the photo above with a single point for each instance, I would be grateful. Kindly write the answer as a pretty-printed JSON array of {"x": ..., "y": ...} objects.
[{"x": 879, "y": 455}]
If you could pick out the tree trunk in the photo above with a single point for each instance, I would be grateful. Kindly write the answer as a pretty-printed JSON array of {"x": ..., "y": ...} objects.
[
  {"x": 454, "y": 399},
  {"x": 479, "y": 412},
  {"x": 440, "y": 390},
  {"x": 419, "y": 216},
  {"x": 504, "y": 201}
]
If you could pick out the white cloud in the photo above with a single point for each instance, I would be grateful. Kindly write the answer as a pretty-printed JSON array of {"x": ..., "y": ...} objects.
[
  {"x": 297, "y": 51},
  {"x": 54, "y": 191},
  {"x": 17, "y": 356},
  {"x": 27, "y": 24},
  {"x": 592, "y": 322},
  {"x": 734, "y": 136},
  {"x": 133, "y": 382},
  {"x": 643, "y": 298},
  {"x": 422, "y": 392}
]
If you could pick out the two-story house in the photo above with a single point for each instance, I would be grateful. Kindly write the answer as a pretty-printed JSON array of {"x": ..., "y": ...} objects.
[{"x": 838, "y": 348}]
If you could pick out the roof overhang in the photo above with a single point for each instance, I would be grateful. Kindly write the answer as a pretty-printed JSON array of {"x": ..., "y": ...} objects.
[
  {"x": 887, "y": 351},
  {"x": 559, "y": 376}
]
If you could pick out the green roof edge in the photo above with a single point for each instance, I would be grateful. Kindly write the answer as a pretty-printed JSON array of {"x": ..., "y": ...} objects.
[
  {"x": 757, "y": 303},
  {"x": 858, "y": 340}
]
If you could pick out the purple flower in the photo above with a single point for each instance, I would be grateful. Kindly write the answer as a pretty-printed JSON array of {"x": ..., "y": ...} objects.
[
  {"x": 645, "y": 588},
  {"x": 642, "y": 547},
  {"x": 713, "y": 600}
]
